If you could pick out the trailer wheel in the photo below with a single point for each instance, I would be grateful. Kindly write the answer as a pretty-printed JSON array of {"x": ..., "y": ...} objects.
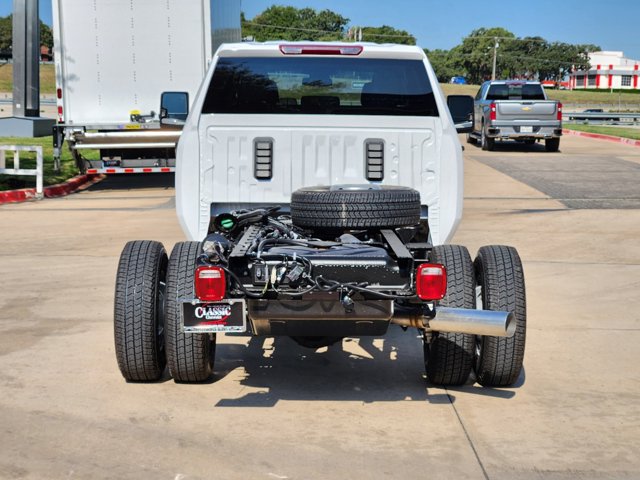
[
  {"x": 487, "y": 143},
  {"x": 355, "y": 207},
  {"x": 139, "y": 310},
  {"x": 189, "y": 356},
  {"x": 448, "y": 357},
  {"x": 500, "y": 280},
  {"x": 552, "y": 144}
]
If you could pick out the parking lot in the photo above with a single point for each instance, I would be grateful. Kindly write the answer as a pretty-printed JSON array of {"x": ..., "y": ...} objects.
[{"x": 360, "y": 409}]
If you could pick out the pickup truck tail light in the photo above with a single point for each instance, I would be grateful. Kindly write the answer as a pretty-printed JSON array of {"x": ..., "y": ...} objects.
[
  {"x": 492, "y": 111},
  {"x": 210, "y": 283},
  {"x": 559, "y": 111},
  {"x": 431, "y": 281}
]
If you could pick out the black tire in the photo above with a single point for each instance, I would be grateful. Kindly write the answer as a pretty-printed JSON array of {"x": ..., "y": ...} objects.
[
  {"x": 449, "y": 357},
  {"x": 471, "y": 139},
  {"x": 500, "y": 277},
  {"x": 552, "y": 144},
  {"x": 138, "y": 322},
  {"x": 190, "y": 356},
  {"x": 486, "y": 142},
  {"x": 361, "y": 207}
]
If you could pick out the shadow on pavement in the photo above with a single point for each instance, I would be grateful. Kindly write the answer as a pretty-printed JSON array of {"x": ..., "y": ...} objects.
[
  {"x": 513, "y": 146},
  {"x": 355, "y": 370}
]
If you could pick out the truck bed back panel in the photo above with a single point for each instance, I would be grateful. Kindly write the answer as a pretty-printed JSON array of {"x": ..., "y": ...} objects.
[{"x": 523, "y": 110}]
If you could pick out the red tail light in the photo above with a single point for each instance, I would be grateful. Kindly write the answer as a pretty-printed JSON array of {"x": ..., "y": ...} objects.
[
  {"x": 321, "y": 49},
  {"x": 559, "y": 111},
  {"x": 59, "y": 93},
  {"x": 60, "y": 115},
  {"x": 431, "y": 281},
  {"x": 492, "y": 111},
  {"x": 210, "y": 283}
]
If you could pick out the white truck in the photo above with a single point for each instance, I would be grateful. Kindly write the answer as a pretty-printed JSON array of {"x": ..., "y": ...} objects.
[
  {"x": 318, "y": 185},
  {"x": 127, "y": 72}
]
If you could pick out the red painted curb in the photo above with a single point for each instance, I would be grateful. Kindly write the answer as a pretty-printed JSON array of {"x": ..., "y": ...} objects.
[
  {"x": 600, "y": 136},
  {"x": 59, "y": 190}
]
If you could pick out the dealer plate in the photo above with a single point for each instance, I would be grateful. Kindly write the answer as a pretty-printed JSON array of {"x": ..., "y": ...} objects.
[
  {"x": 222, "y": 316},
  {"x": 526, "y": 129}
]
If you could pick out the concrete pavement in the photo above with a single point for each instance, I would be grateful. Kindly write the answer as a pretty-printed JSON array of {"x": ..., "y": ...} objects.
[{"x": 358, "y": 410}]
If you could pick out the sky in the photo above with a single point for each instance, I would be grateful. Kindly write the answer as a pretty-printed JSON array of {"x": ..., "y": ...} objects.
[{"x": 612, "y": 24}]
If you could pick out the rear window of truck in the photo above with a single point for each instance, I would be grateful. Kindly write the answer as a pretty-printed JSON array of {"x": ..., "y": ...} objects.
[
  {"x": 328, "y": 85},
  {"x": 515, "y": 91}
]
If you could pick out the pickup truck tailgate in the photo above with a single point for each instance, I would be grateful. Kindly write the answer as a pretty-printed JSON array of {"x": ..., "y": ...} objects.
[{"x": 539, "y": 110}]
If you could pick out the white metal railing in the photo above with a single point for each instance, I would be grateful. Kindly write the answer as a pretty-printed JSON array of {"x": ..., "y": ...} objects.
[
  {"x": 16, "y": 170},
  {"x": 619, "y": 118}
]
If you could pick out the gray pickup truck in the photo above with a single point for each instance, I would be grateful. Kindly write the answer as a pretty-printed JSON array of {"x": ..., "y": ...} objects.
[{"x": 516, "y": 110}]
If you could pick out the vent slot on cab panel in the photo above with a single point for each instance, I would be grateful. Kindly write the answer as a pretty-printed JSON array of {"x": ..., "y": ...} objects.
[
  {"x": 263, "y": 158},
  {"x": 374, "y": 159}
]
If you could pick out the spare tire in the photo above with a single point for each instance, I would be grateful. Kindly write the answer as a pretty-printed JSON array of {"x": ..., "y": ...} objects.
[{"x": 355, "y": 207}]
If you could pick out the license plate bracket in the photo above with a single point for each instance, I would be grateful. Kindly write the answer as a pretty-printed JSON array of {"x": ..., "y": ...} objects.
[{"x": 213, "y": 317}]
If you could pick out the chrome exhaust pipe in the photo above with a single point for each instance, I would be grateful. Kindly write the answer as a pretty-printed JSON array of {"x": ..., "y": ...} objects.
[
  {"x": 461, "y": 320},
  {"x": 476, "y": 322}
]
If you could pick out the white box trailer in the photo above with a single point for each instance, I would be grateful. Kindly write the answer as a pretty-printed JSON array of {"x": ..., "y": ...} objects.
[{"x": 126, "y": 73}]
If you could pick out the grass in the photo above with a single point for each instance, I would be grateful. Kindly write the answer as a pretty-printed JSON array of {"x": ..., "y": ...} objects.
[
  {"x": 68, "y": 168},
  {"x": 633, "y": 133},
  {"x": 47, "y": 78}
]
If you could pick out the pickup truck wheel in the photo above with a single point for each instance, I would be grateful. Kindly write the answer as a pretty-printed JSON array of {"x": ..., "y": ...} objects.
[
  {"x": 138, "y": 311},
  {"x": 501, "y": 286},
  {"x": 449, "y": 357},
  {"x": 486, "y": 143},
  {"x": 355, "y": 207},
  {"x": 189, "y": 356},
  {"x": 552, "y": 144}
]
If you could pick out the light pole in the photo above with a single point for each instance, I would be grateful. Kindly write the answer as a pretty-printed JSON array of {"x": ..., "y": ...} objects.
[
  {"x": 495, "y": 57},
  {"x": 26, "y": 51}
]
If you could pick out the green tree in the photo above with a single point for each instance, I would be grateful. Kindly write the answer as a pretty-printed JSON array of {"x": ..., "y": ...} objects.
[
  {"x": 387, "y": 34},
  {"x": 446, "y": 63},
  {"x": 476, "y": 52},
  {"x": 46, "y": 36},
  {"x": 527, "y": 58},
  {"x": 290, "y": 23},
  {"x": 6, "y": 32}
]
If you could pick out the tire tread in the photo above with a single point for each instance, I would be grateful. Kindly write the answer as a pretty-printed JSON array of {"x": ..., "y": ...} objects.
[
  {"x": 189, "y": 356},
  {"x": 499, "y": 269},
  {"x": 135, "y": 311},
  {"x": 449, "y": 358}
]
